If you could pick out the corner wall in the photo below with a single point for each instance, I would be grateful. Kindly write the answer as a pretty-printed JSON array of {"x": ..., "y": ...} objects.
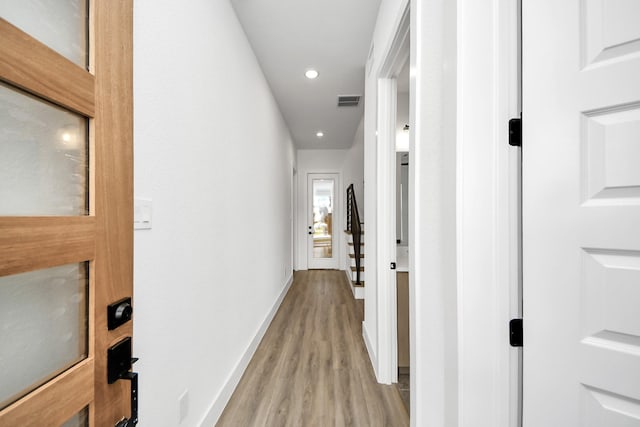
[
  {"x": 353, "y": 168},
  {"x": 214, "y": 154},
  {"x": 353, "y": 173}
]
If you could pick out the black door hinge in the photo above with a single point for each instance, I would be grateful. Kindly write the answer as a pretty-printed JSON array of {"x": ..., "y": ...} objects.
[
  {"x": 515, "y": 132},
  {"x": 515, "y": 332}
]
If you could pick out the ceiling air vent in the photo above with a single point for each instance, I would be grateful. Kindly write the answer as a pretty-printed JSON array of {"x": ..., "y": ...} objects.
[{"x": 348, "y": 100}]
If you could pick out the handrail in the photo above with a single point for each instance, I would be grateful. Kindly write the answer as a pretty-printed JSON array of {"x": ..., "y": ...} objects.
[{"x": 354, "y": 226}]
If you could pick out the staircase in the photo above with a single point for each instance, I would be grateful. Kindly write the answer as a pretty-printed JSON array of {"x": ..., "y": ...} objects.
[
  {"x": 356, "y": 288},
  {"x": 355, "y": 246}
]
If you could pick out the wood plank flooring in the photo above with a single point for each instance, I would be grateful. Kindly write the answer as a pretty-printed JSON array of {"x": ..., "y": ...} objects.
[{"x": 312, "y": 368}]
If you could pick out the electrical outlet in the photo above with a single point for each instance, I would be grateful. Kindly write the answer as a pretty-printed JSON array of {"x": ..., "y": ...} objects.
[{"x": 183, "y": 404}]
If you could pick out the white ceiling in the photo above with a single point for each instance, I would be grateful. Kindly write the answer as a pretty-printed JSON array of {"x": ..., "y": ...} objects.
[{"x": 331, "y": 36}]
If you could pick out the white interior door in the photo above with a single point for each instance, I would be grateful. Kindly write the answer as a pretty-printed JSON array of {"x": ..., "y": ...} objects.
[
  {"x": 581, "y": 213},
  {"x": 323, "y": 218}
]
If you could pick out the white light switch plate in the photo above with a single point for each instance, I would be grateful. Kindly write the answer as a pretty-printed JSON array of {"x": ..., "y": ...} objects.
[{"x": 142, "y": 209}]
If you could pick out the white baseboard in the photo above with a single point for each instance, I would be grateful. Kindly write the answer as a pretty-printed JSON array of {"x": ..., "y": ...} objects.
[
  {"x": 372, "y": 354},
  {"x": 221, "y": 400},
  {"x": 358, "y": 291}
]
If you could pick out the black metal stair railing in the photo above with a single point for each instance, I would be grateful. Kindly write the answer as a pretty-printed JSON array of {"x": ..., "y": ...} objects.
[{"x": 354, "y": 226}]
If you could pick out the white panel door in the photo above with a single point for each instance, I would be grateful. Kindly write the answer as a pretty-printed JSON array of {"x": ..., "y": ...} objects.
[
  {"x": 323, "y": 219},
  {"x": 581, "y": 213}
]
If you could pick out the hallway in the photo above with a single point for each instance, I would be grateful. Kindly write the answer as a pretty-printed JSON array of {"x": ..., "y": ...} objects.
[{"x": 312, "y": 367}]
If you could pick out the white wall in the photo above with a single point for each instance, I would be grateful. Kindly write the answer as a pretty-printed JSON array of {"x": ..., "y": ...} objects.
[
  {"x": 214, "y": 154},
  {"x": 432, "y": 192},
  {"x": 353, "y": 173},
  {"x": 353, "y": 168},
  {"x": 317, "y": 161},
  {"x": 462, "y": 253},
  {"x": 389, "y": 15},
  {"x": 487, "y": 212}
]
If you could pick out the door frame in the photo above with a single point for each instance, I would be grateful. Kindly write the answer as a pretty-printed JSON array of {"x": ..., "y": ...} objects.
[
  {"x": 332, "y": 263},
  {"x": 394, "y": 60},
  {"x": 463, "y": 219},
  {"x": 465, "y": 256}
]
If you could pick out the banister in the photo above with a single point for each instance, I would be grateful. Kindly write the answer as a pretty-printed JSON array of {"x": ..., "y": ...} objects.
[{"x": 354, "y": 226}]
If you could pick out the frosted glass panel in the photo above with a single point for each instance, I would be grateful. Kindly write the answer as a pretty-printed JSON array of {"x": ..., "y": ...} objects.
[
  {"x": 61, "y": 25},
  {"x": 81, "y": 419},
  {"x": 43, "y": 327},
  {"x": 43, "y": 157}
]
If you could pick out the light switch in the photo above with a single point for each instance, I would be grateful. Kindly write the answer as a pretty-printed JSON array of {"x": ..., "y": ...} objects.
[{"x": 142, "y": 214}]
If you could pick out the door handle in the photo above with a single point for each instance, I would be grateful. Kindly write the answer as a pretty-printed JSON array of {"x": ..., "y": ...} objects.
[
  {"x": 133, "y": 420},
  {"x": 119, "y": 362}
]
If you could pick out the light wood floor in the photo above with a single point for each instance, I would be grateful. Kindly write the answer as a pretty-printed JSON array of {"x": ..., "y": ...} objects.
[{"x": 312, "y": 368}]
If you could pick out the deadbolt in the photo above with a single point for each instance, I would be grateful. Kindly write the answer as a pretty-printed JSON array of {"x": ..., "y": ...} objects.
[{"x": 118, "y": 313}]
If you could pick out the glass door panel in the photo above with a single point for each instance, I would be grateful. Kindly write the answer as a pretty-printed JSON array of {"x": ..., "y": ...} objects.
[
  {"x": 81, "y": 419},
  {"x": 52, "y": 346},
  {"x": 61, "y": 25},
  {"x": 43, "y": 157},
  {"x": 323, "y": 196},
  {"x": 43, "y": 327}
]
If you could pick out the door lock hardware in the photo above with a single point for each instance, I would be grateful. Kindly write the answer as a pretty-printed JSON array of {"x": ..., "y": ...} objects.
[
  {"x": 515, "y": 132},
  {"x": 118, "y": 313},
  {"x": 515, "y": 333},
  {"x": 119, "y": 362},
  {"x": 133, "y": 420}
]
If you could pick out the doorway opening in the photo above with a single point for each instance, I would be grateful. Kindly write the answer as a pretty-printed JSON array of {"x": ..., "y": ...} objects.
[
  {"x": 393, "y": 127},
  {"x": 402, "y": 234}
]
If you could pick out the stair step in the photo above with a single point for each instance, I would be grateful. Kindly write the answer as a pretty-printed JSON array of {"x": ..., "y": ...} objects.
[
  {"x": 353, "y": 255},
  {"x": 354, "y": 269},
  {"x": 349, "y": 231},
  {"x": 361, "y": 285},
  {"x": 351, "y": 243},
  {"x": 354, "y": 275}
]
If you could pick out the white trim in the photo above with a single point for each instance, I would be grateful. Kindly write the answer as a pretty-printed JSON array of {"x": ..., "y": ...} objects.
[
  {"x": 432, "y": 278},
  {"x": 358, "y": 291},
  {"x": 367, "y": 343},
  {"x": 393, "y": 60},
  {"x": 387, "y": 94},
  {"x": 487, "y": 232},
  {"x": 462, "y": 259},
  {"x": 221, "y": 400}
]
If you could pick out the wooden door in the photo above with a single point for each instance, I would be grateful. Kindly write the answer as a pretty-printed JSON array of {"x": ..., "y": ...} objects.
[
  {"x": 581, "y": 213},
  {"x": 66, "y": 232}
]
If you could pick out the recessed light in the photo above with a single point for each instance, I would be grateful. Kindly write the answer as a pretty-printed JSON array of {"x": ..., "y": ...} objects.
[
  {"x": 311, "y": 74},
  {"x": 320, "y": 134}
]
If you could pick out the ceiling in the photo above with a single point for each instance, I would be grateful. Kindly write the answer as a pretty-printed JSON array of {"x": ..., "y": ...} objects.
[{"x": 331, "y": 36}]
